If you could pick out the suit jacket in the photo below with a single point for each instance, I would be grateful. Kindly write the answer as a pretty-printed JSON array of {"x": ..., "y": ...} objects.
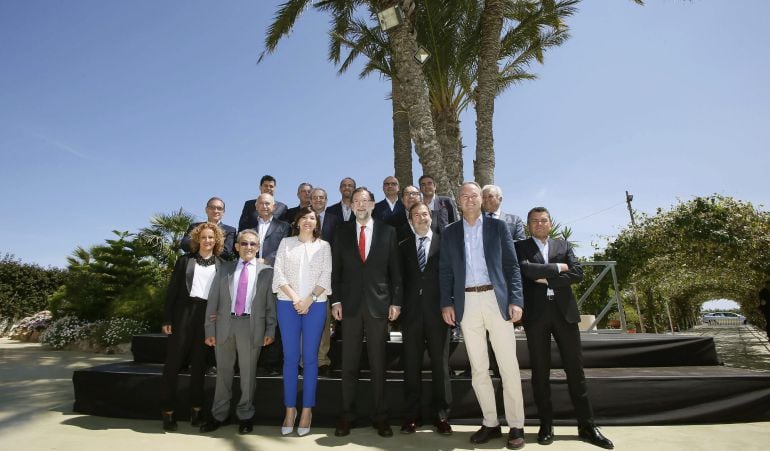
[
  {"x": 336, "y": 210},
  {"x": 228, "y": 252},
  {"x": 220, "y": 302},
  {"x": 179, "y": 286},
  {"x": 533, "y": 267},
  {"x": 515, "y": 225},
  {"x": 249, "y": 216},
  {"x": 445, "y": 212},
  {"x": 395, "y": 217},
  {"x": 277, "y": 231},
  {"x": 421, "y": 288},
  {"x": 329, "y": 226},
  {"x": 374, "y": 284},
  {"x": 502, "y": 266}
]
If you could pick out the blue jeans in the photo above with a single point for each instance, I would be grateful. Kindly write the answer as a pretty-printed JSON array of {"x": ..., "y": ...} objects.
[{"x": 305, "y": 329}]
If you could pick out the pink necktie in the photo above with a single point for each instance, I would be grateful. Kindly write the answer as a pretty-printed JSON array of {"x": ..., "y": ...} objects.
[{"x": 243, "y": 286}]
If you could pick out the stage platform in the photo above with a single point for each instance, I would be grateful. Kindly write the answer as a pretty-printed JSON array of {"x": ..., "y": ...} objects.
[{"x": 632, "y": 379}]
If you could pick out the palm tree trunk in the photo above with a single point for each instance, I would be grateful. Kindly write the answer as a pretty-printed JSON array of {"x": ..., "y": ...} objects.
[
  {"x": 448, "y": 134},
  {"x": 486, "y": 90},
  {"x": 402, "y": 140},
  {"x": 415, "y": 95}
]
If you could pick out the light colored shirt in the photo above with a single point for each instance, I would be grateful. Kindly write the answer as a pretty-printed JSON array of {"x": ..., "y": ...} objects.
[
  {"x": 392, "y": 205},
  {"x": 303, "y": 266},
  {"x": 203, "y": 276},
  {"x": 262, "y": 230},
  {"x": 429, "y": 237},
  {"x": 543, "y": 249},
  {"x": 346, "y": 211},
  {"x": 496, "y": 214},
  {"x": 476, "y": 273},
  {"x": 368, "y": 233},
  {"x": 250, "y": 287}
]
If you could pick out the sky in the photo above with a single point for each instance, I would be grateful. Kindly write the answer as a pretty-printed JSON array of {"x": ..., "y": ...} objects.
[{"x": 113, "y": 111}]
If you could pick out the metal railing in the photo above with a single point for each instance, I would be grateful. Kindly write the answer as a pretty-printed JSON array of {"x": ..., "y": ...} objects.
[{"x": 609, "y": 267}]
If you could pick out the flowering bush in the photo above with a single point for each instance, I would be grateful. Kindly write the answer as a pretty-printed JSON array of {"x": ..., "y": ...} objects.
[
  {"x": 31, "y": 325},
  {"x": 64, "y": 331},
  {"x": 119, "y": 330}
]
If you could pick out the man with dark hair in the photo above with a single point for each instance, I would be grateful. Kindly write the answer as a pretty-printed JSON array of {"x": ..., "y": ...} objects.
[
  {"x": 366, "y": 282},
  {"x": 410, "y": 196},
  {"x": 249, "y": 214},
  {"x": 390, "y": 210},
  {"x": 215, "y": 211},
  {"x": 343, "y": 209},
  {"x": 443, "y": 209},
  {"x": 303, "y": 194},
  {"x": 548, "y": 269},
  {"x": 492, "y": 197}
]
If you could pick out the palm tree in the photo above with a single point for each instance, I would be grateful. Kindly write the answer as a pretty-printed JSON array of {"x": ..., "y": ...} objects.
[{"x": 163, "y": 237}]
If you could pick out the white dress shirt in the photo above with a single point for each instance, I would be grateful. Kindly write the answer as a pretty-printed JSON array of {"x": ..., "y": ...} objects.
[{"x": 368, "y": 233}]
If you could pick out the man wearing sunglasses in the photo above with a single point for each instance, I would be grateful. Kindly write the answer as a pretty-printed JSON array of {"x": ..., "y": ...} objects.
[
  {"x": 240, "y": 319},
  {"x": 215, "y": 211}
]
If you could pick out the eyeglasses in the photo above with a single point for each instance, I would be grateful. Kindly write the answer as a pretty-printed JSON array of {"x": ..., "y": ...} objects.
[
  {"x": 248, "y": 244},
  {"x": 215, "y": 207},
  {"x": 539, "y": 221},
  {"x": 391, "y": 183},
  {"x": 411, "y": 193}
]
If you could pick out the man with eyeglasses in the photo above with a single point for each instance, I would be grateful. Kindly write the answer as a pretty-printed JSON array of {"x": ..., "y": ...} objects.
[
  {"x": 390, "y": 209},
  {"x": 267, "y": 185},
  {"x": 240, "y": 319},
  {"x": 366, "y": 282},
  {"x": 303, "y": 194},
  {"x": 215, "y": 210},
  {"x": 410, "y": 196},
  {"x": 548, "y": 269}
]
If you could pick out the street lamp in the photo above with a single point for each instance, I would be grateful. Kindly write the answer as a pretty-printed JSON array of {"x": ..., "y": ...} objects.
[
  {"x": 421, "y": 55},
  {"x": 390, "y": 17}
]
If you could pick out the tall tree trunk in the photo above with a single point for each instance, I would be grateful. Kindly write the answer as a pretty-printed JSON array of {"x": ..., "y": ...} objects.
[
  {"x": 486, "y": 91},
  {"x": 402, "y": 140},
  {"x": 448, "y": 134},
  {"x": 415, "y": 95}
]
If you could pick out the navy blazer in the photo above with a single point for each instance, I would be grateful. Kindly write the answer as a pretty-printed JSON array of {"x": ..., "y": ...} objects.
[
  {"x": 249, "y": 216},
  {"x": 328, "y": 227},
  {"x": 277, "y": 231},
  {"x": 502, "y": 266},
  {"x": 336, "y": 210},
  {"x": 395, "y": 217},
  {"x": 228, "y": 252}
]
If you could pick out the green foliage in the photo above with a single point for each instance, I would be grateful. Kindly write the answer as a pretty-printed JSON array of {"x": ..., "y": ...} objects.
[
  {"x": 64, "y": 331},
  {"x": 142, "y": 303},
  {"x": 115, "y": 331},
  {"x": 24, "y": 288},
  {"x": 162, "y": 240}
]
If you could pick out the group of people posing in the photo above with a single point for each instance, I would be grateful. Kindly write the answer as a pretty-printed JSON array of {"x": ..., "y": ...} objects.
[{"x": 409, "y": 257}]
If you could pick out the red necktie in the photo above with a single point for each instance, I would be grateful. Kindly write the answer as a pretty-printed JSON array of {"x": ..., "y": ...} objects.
[{"x": 362, "y": 243}]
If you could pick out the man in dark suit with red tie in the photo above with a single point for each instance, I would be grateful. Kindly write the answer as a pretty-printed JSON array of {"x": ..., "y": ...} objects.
[
  {"x": 548, "y": 269},
  {"x": 366, "y": 282}
]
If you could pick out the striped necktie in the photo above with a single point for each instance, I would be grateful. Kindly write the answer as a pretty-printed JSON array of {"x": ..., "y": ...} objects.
[{"x": 421, "y": 260}]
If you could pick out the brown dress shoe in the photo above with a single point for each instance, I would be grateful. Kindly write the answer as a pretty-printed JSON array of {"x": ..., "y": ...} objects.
[
  {"x": 486, "y": 434},
  {"x": 343, "y": 428},
  {"x": 515, "y": 439},
  {"x": 443, "y": 427},
  {"x": 410, "y": 426},
  {"x": 383, "y": 428}
]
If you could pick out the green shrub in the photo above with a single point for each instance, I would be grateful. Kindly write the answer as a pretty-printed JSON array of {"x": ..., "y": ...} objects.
[
  {"x": 65, "y": 331},
  {"x": 142, "y": 303},
  {"x": 25, "y": 288},
  {"x": 118, "y": 330}
]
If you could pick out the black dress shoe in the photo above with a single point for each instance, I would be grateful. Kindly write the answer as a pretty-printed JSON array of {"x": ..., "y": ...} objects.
[
  {"x": 210, "y": 425},
  {"x": 591, "y": 434},
  {"x": 245, "y": 426},
  {"x": 383, "y": 428},
  {"x": 443, "y": 427},
  {"x": 343, "y": 428},
  {"x": 324, "y": 371},
  {"x": 169, "y": 422},
  {"x": 486, "y": 434},
  {"x": 545, "y": 434},
  {"x": 196, "y": 418},
  {"x": 410, "y": 426},
  {"x": 515, "y": 439}
]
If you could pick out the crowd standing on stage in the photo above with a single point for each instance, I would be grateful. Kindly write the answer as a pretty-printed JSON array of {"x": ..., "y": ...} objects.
[{"x": 269, "y": 297}]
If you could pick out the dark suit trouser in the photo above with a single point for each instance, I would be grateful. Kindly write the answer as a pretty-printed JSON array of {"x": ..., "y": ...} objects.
[
  {"x": 419, "y": 328},
  {"x": 567, "y": 336},
  {"x": 376, "y": 336},
  {"x": 186, "y": 340}
]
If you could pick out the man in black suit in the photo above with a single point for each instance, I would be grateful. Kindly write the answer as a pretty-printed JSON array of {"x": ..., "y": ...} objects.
[
  {"x": 422, "y": 323},
  {"x": 443, "y": 209},
  {"x": 549, "y": 268},
  {"x": 215, "y": 210},
  {"x": 410, "y": 196},
  {"x": 343, "y": 209},
  {"x": 390, "y": 210},
  {"x": 478, "y": 265},
  {"x": 366, "y": 282},
  {"x": 303, "y": 194},
  {"x": 249, "y": 215},
  {"x": 492, "y": 197}
]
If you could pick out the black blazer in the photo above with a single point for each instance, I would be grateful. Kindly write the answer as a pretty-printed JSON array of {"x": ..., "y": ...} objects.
[
  {"x": 395, "y": 217},
  {"x": 421, "y": 288},
  {"x": 277, "y": 231},
  {"x": 375, "y": 284},
  {"x": 228, "y": 252},
  {"x": 329, "y": 226},
  {"x": 336, "y": 210},
  {"x": 445, "y": 212},
  {"x": 179, "y": 286},
  {"x": 533, "y": 267},
  {"x": 249, "y": 216}
]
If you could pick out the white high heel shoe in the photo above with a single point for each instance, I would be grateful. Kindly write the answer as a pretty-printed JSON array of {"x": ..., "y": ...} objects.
[
  {"x": 304, "y": 431},
  {"x": 286, "y": 430}
]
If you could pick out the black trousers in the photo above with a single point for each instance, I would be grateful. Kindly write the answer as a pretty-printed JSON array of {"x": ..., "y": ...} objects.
[
  {"x": 353, "y": 328},
  {"x": 420, "y": 330},
  {"x": 185, "y": 341},
  {"x": 567, "y": 336}
]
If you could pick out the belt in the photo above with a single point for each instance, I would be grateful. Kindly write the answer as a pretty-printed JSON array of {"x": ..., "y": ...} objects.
[
  {"x": 243, "y": 315},
  {"x": 478, "y": 289}
]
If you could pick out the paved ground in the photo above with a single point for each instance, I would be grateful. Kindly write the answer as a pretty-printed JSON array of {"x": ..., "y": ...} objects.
[
  {"x": 739, "y": 346},
  {"x": 36, "y": 414}
]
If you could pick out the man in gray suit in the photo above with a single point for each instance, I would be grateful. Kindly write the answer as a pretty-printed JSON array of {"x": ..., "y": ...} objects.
[
  {"x": 240, "y": 319},
  {"x": 492, "y": 198}
]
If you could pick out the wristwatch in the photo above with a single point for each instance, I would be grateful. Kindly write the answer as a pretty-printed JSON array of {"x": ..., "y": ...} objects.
[{"x": 315, "y": 298}]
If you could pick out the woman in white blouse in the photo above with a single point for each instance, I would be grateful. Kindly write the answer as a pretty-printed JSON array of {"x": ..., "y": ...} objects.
[
  {"x": 183, "y": 320},
  {"x": 301, "y": 280}
]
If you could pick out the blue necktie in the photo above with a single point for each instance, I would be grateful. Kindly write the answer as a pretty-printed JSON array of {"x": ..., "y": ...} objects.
[{"x": 421, "y": 260}]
